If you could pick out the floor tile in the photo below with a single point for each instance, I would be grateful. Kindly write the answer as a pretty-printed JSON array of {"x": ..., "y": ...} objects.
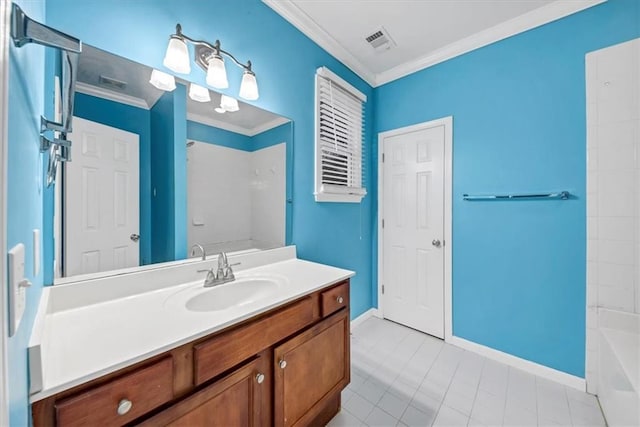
[
  {"x": 459, "y": 402},
  {"x": 393, "y": 405},
  {"x": 403, "y": 389},
  {"x": 359, "y": 407},
  {"x": 344, "y": 419},
  {"x": 414, "y": 417},
  {"x": 379, "y": 418},
  {"x": 402, "y": 377},
  {"x": 346, "y": 394},
  {"x": 372, "y": 390},
  {"x": 425, "y": 403},
  {"x": 448, "y": 417}
]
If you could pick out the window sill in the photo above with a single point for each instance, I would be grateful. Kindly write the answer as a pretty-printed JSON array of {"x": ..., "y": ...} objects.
[{"x": 339, "y": 198}]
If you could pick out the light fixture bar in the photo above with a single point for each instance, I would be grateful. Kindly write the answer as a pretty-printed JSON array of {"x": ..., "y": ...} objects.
[{"x": 206, "y": 56}]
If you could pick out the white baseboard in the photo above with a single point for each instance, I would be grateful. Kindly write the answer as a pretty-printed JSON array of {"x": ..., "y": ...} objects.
[
  {"x": 523, "y": 364},
  {"x": 364, "y": 316}
]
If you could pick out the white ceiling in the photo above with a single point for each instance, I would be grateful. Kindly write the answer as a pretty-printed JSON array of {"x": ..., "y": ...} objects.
[
  {"x": 94, "y": 63},
  {"x": 425, "y": 32}
]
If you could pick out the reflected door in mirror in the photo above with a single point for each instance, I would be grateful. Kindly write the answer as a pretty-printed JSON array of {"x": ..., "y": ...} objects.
[{"x": 101, "y": 194}]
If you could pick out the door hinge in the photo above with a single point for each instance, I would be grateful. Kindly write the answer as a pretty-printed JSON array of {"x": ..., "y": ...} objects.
[
  {"x": 382, "y": 289},
  {"x": 382, "y": 157},
  {"x": 383, "y": 223}
]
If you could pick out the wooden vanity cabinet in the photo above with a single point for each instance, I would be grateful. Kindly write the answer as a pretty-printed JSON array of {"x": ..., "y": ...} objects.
[
  {"x": 310, "y": 369},
  {"x": 285, "y": 367},
  {"x": 241, "y": 398}
]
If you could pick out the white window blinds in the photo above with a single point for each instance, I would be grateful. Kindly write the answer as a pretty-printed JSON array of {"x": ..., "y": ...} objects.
[{"x": 339, "y": 139}]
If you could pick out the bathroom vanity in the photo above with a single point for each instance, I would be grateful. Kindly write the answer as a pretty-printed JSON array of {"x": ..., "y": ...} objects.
[{"x": 281, "y": 359}]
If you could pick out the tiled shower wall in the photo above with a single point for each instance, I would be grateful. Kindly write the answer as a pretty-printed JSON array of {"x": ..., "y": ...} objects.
[{"x": 613, "y": 188}]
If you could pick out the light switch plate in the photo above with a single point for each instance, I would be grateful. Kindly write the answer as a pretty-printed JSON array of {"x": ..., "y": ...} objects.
[{"x": 17, "y": 287}]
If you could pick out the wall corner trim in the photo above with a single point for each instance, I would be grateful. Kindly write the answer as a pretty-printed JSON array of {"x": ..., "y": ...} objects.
[{"x": 523, "y": 364}]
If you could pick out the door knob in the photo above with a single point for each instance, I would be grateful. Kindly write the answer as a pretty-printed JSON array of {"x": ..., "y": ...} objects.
[
  {"x": 436, "y": 243},
  {"x": 135, "y": 237},
  {"x": 283, "y": 364},
  {"x": 340, "y": 300},
  {"x": 260, "y": 378}
]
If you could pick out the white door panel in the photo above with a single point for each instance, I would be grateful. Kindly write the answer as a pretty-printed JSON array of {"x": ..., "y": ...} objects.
[
  {"x": 413, "y": 212},
  {"x": 101, "y": 199}
]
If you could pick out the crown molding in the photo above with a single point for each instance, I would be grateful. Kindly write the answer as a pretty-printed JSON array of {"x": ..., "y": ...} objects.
[
  {"x": 303, "y": 22},
  {"x": 209, "y": 121},
  {"x": 535, "y": 18},
  {"x": 278, "y": 121},
  {"x": 111, "y": 96}
]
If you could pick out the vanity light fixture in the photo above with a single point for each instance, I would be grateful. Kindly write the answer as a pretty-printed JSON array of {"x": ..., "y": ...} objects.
[
  {"x": 162, "y": 81},
  {"x": 199, "y": 93},
  {"x": 227, "y": 104},
  {"x": 210, "y": 58}
]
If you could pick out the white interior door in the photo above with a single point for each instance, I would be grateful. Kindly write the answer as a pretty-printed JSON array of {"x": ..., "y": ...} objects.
[
  {"x": 101, "y": 195},
  {"x": 413, "y": 231}
]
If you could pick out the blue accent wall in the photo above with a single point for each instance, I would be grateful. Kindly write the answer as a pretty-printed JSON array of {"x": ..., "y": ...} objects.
[
  {"x": 286, "y": 79},
  {"x": 131, "y": 119},
  {"x": 213, "y": 135},
  {"x": 169, "y": 176},
  {"x": 24, "y": 197},
  {"x": 519, "y": 125},
  {"x": 271, "y": 137}
]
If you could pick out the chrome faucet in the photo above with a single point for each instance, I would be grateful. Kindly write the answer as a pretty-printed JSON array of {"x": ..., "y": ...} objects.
[
  {"x": 197, "y": 246},
  {"x": 224, "y": 273}
]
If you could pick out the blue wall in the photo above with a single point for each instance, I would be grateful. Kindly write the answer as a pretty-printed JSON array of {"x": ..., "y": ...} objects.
[
  {"x": 271, "y": 137},
  {"x": 24, "y": 198},
  {"x": 169, "y": 176},
  {"x": 286, "y": 79},
  {"x": 213, "y": 135},
  {"x": 519, "y": 125},
  {"x": 135, "y": 120}
]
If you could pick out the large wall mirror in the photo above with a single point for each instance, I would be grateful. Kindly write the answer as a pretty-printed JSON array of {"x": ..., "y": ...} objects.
[{"x": 155, "y": 173}]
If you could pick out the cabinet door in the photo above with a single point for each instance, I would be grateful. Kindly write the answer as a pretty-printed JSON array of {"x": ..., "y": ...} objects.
[
  {"x": 239, "y": 399},
  {"x": 310, "y": 369}
]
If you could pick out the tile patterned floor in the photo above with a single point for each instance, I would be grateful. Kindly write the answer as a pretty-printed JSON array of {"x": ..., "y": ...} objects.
[{"x": 402, "y": 377}]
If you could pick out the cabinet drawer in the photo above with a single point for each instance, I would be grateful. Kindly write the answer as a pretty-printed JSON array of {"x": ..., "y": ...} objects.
[
  {"x": 334, "y": 299},
  {"x": 146, "y": 388},
  {"x": 235, "y": 400},
  {"x": 222, "y": 352}
]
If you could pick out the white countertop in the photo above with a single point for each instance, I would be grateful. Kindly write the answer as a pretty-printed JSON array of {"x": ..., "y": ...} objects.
[{"x": 82, "y": 343}]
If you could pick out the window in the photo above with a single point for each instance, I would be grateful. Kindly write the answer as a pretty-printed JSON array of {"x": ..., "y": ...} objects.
[{"x": 339, "y": 140}]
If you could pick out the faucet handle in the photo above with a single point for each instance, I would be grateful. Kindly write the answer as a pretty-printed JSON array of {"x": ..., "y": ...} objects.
[{"x": 228, "y": 271}]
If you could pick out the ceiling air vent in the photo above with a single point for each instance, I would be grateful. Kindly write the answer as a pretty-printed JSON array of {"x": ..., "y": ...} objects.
[
  {"x": 380, "y": 40},
  {"x": 113, "y": 84}
]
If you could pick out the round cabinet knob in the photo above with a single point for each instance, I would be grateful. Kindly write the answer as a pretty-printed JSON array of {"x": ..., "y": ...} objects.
[
  {"x": 124, "y": 406},
  {"x": 283, "y": 364},
  {"x": 260, "y": 378},
  {"x": 340, "y": 300},
  {"x": 436, "y": 243}
]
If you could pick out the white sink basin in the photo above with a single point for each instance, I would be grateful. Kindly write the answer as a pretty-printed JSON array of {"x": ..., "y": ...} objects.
[
  {"x": 232, "y": 294},
  {"x": 243, "y": 291}
]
